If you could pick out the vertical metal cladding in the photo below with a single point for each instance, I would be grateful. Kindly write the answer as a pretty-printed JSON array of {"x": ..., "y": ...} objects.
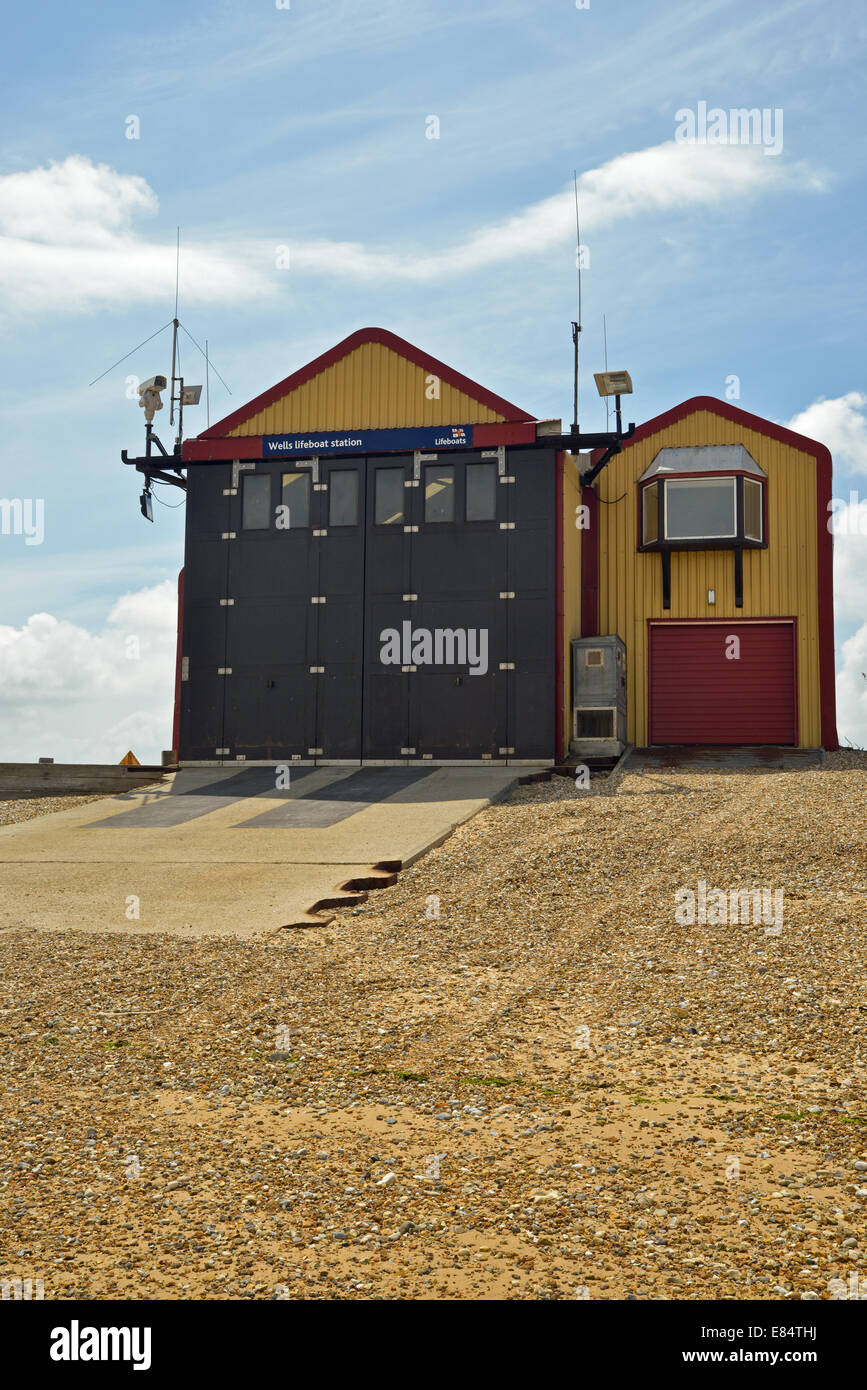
[
  {"x": 526, "y": 575},
  {"x": 373, "y": 387},
  {"x": 779, "y": 581},
  {"x": 418, "y": 621}
]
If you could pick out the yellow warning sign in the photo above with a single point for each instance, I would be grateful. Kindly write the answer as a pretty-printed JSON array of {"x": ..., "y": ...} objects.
[{"x": 130, "y": 760}]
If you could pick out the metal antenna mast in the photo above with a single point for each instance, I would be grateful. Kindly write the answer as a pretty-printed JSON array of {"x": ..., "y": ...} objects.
[
  {"x": 175, "y": 333},
  {"x": 605, "y": 352},
  {"x": 576, "y": 327}
]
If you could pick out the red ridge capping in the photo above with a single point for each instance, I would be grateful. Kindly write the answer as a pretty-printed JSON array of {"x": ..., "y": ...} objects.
[
  {"x": 340, "y": 350},
  {"x": 824, "y": 538}
]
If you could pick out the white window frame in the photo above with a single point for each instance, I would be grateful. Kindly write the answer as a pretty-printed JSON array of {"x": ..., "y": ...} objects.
[
  {"x": 704, "y": 482},
  {"x": 760, "y": 537},
  {"x": 645, "y": 492}
]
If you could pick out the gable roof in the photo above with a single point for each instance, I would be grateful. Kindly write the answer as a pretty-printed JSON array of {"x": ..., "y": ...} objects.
[
  {"x": 824, "y": 536},
  {"x": 246, "y": 414},
  {"x": 738, "y": 417}
]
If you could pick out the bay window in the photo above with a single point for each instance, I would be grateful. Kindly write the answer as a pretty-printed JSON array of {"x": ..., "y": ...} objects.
[{"x": 709, "y": 497}]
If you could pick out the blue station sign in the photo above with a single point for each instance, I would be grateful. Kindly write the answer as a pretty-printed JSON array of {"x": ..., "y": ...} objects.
[{"x": 367, "y": 441}]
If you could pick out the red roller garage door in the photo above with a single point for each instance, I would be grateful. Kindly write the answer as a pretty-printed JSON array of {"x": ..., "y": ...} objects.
[{"x": 701, "y": 692}]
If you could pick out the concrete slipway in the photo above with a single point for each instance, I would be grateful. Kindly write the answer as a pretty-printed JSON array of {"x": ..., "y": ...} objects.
[{"x": 218, "y": 851}]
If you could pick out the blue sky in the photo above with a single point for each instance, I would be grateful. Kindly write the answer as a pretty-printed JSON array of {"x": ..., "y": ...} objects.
[{"x": 306, "y": 127}]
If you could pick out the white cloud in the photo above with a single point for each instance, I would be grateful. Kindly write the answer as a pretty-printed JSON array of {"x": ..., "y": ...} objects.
[
  {"x": 67, "y": 242},
  {"x": 659, "y": 179},
  {"x": 77, "y": 202},
  {"x": 81, "y": 696},
  {"x": 849, "y": 524},
  {"x": 67, "y": 238},
  {"x": 852, "y": 690},
  {"x": 841, "y": 424}
]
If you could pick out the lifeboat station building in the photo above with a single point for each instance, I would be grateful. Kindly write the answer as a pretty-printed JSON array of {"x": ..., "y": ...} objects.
[{"x": 387, "y": 563}]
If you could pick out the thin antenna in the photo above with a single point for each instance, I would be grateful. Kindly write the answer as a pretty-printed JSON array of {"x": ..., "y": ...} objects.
[
  {"x": 207, "y": 386},
  {"x": 177, "y": 269},
  {"x": 175, "y": 336},
  {"x": 605, "y": 343},
  {"x": 129, "y": 354},
  {"x": 578, "y": 237},
  {"x": 202, "y": 351},
  {"x": 576, "y": 327}
]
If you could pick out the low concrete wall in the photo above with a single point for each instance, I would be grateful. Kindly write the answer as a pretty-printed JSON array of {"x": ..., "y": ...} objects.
[{"x": 45, "y": 779}]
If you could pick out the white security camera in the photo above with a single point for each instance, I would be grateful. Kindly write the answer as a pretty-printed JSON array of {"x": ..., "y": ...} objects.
[
  {"x": 149, "y": 396},
  {"x": 153, "y": 383}
]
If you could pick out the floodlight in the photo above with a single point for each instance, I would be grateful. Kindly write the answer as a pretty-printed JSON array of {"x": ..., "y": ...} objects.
[{"x": 613, "y": 383}]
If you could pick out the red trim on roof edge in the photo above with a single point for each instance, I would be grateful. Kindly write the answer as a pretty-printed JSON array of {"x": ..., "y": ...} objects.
[
  {"x": 341, "y": 349},
  {"x": 825, "y": 567},
  {"x": 249, "y": 446},
  {"x": 824, "y": 538},
  {"x": 200, "y": 450},
  {"x": 487, "y": 436}
]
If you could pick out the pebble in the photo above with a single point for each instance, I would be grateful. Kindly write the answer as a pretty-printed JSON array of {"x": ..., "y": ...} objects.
[{"x": 608, "y": 1171}]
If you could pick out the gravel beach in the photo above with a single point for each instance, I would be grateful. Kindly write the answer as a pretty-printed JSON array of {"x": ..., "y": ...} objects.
[{"x": 519, "y": 1073}]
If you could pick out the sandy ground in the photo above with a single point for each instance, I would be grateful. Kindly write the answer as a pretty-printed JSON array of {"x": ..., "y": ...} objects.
[{"x": 515, "y": 1074}]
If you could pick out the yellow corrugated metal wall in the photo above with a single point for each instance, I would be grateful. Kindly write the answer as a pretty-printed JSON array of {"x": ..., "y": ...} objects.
[
  {"x": 571, "y": 625},
  {"x": 370, "y": 388},
  {"x": 779, "y": 582}
]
